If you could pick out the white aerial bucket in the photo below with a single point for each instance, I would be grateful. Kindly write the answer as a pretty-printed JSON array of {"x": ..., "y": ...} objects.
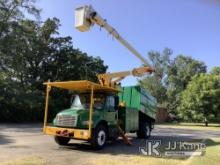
[{"x": 82, "y": 23}]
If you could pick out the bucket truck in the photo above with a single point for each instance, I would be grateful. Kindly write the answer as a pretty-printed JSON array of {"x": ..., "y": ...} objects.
[{"x": 102, "y": 111}]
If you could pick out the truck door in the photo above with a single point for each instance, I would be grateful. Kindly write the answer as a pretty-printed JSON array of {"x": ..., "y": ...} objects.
[{"x": 111, "y": 115}]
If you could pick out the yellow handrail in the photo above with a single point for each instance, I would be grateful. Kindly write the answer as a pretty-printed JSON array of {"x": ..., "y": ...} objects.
[
  {"x": 46, "y": 107},
  {"x": 91, "y": 111}
]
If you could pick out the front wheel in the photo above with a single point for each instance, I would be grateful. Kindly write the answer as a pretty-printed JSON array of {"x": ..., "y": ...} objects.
[
  {"x": 99, "y": 137},
  {"x": 61, "y": 140},
  {"x": 144, "y": 130}
]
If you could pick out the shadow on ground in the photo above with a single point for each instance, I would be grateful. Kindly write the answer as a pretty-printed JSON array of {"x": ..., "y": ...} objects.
[
  {"x": 4, "y": 140},
  {"x": 30, "y": 128},
  {"x": 210, "y": 142}
]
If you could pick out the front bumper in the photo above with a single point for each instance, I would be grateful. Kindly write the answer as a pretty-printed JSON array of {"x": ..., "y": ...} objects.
[{"x": 67, "y": 132}]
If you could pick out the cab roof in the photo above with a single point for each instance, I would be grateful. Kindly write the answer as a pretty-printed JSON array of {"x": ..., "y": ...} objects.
[{"x": 81, "y": 86}]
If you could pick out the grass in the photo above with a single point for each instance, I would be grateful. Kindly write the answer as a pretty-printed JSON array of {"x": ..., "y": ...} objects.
[
  {"x": 192, "y": 126},
  {"x": 136, "y": 160},
  {"x": 212, "y": 156},
  {"x": 31, "y": 160}
]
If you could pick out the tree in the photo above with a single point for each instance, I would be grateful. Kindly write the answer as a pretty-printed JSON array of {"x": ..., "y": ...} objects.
[
  {"x": 11, "y": 11},
  {"x": 200, "y": 101},
  {"x": 32, "y": 52},
  {"x": 33, "y": 55},
  {"x": 180, "y": 73},
  {"x": 215, "y": 70},
  {"x": 156, "y": 83}
]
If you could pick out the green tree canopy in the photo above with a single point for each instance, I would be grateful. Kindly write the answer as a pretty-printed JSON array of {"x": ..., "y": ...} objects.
[
  {"x": 180, "y": 73},
  {"x": 200, "y": 100},
  {"x": 171, "y": 77},
  {"x": 215, "y": 70},
  {"x": 32, "y": 52},
  {"x": 156, "y": 83}
]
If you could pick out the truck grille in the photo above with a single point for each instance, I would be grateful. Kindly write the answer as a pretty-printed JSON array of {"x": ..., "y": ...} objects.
[{"x": 66, "y": 121}]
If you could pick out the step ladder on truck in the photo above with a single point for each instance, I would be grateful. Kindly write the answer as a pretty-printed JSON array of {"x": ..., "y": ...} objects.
[{"x": 102, "y": 111}]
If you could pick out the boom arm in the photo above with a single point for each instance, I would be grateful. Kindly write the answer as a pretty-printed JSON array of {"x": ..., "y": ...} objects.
[
  {"x": 86, "y": 16},
  {"x": 111, "y": 79}
]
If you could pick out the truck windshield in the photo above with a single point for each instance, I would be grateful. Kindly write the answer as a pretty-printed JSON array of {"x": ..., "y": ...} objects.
[{"x": 82, "y": 101}]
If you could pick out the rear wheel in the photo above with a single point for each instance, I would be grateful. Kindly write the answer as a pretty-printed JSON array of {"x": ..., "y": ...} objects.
[
  {"x": 61, "y": 140},
  {"x": 144, "y": 130},
  {"x": 99, "y": 137}
]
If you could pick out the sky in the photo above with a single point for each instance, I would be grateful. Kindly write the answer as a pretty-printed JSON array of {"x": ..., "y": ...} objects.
[{"x": 188, "y": 27}]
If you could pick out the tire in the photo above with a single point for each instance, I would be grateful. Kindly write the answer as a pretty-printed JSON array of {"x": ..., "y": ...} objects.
[
  {"x": 61, "y": 140},
  {"x": 144, "y": 130},
  {"x": 99, "y": 137}
]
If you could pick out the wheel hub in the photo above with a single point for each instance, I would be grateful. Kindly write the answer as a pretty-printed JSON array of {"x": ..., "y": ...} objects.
[{"x": 101, "y": 137}]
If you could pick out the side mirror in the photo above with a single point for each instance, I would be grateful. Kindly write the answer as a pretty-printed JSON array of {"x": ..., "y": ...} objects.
[{"x": 116, "y": 102}]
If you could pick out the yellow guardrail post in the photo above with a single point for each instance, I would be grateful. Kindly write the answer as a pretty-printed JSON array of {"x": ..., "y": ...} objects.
[
  {"x": 91, "y": 111},
  {"x": 46, "y": 107}
]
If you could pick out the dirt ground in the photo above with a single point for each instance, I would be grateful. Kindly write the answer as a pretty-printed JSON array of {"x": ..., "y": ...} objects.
[{"x": 26, "y": 140}]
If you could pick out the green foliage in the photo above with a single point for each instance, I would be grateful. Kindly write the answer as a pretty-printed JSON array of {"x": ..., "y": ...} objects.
[
  {"x": 32, "y": 53},
  {"x": 180, "y": 72},
  {"x": 156, "y": 83},
  {"x": 200, "y": 100},
  {"x": 171, "y": 77},
  {"x": 215, "y": 70}
]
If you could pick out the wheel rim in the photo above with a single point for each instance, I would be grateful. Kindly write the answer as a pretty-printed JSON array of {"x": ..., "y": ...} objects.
[{"x": 101, "y": 137}]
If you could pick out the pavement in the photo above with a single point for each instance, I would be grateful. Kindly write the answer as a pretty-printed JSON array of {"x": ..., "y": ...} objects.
[{"x": 18, "y": 141}]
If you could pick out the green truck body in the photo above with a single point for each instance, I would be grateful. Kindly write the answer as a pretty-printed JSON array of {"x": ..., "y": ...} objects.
[
  {"x": 137, "y": 114},
  {"x": 136, "y": 100}
]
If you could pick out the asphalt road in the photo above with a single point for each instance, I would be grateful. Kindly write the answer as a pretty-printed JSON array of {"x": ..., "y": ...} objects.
[{"x": 19, "y": 141}]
